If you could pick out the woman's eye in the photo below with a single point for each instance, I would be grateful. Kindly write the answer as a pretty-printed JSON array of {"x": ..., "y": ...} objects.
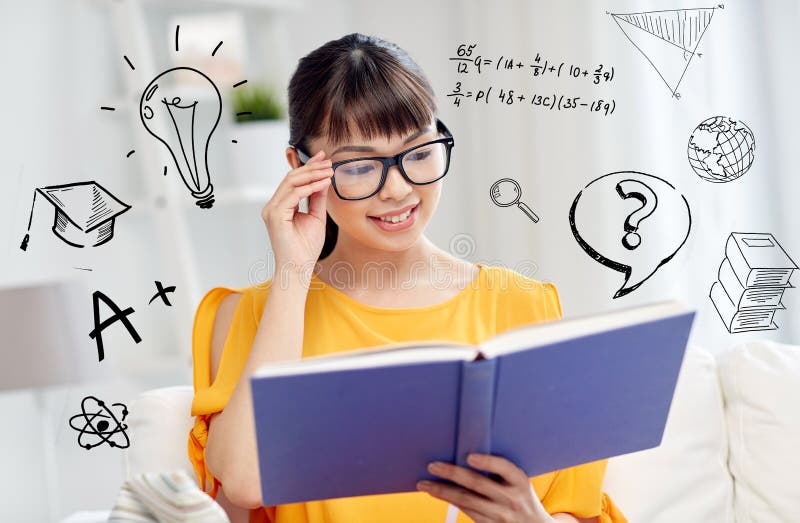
[
  {"x": 356, "y": 169},
  {"x": 419, "y": 155}
]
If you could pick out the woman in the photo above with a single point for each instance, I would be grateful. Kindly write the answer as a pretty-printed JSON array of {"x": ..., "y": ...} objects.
[{"x": 352, "y": 98}]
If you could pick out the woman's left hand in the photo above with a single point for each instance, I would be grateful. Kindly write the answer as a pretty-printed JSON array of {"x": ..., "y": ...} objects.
[{"x": 512, "y": 499}]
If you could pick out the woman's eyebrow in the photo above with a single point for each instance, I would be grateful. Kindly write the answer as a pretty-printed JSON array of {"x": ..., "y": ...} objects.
[{"x": 367, "y": 148}]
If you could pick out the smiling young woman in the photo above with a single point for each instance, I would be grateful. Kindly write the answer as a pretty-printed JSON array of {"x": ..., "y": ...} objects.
[{"x": 363, "y": 121}]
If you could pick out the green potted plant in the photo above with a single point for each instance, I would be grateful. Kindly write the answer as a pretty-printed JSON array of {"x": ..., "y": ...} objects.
[
  {"x": 257, "y": 102},
  {"x": 261, "y": 131}
]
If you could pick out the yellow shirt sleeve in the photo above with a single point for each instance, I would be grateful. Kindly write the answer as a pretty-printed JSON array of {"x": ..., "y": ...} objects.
[
  {"x": 578, "y": 491},
  {"x": 211, "y": 397},
  {"x": 575, "y": 490}
]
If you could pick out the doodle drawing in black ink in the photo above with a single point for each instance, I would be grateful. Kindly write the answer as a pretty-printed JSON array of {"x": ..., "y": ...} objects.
[
  {"x": 721, "y": 149},
  {"x": 668, "y": 39},
  {"x": 750, "y": 282},
  {"x": 161, "y": 292},
  {"x": 184, "y": 119},
  {"x": 184, "y": 123},
  {"x": 99, "y": 423},
  {"x": 85, "y": 213},
  {"x": 119, "y": 315},
  {"x": 644, "y": 194},
  {"x": 654, "y": 222},
  {"x": 505, "y": 192}
]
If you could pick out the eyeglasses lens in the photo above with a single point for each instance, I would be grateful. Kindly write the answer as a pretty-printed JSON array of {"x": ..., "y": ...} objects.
[{"x": 361, "y": 178}]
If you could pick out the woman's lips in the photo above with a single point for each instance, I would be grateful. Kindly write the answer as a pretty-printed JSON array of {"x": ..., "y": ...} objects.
[
  {"x": 391, "y": 227},
  {"x": 397, "y": 212}
]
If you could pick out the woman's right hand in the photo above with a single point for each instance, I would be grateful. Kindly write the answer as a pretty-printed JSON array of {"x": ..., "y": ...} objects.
[{"x": 297, "y": 237}]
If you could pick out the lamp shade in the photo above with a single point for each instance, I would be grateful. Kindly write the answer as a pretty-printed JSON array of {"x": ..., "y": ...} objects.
[{"x": 39, "y": 343}]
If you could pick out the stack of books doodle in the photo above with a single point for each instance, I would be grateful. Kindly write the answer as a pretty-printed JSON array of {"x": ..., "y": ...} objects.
[{"x": 751, "y": 281}]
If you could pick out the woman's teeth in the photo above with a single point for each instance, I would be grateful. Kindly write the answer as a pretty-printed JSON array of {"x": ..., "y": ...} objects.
[{"x": 399, "y": 217}]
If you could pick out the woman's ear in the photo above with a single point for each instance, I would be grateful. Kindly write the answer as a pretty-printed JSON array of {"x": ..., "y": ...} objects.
[{"x": 293, "y": 158}]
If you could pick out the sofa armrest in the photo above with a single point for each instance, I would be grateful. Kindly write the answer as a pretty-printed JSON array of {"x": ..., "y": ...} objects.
[
  {"x": 158, "y": 426},
  {"x": 761, "y": 385}
]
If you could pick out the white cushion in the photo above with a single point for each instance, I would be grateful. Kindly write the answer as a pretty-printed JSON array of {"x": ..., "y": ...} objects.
[
  {"x": 761, "y": 383},
  {"x": 685, "y": 478},
  {"x": 158, "y": 425},
  {"x": 88, "y": 516}
]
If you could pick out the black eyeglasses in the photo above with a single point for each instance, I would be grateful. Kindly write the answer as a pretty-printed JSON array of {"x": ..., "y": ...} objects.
[{"x": 360, "y": 178}]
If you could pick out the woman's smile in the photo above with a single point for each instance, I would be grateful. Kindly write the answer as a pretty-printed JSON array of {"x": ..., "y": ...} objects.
[{"x": 403, "y": 221}]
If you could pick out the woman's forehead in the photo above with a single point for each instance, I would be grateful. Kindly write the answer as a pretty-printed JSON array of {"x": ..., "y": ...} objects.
[{"x": 356, "y": 140}]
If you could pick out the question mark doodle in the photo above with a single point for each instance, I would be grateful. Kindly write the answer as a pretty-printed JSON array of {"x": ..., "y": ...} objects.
[
  {"x": 639, "y": 191},
  {"x": 628, "y": 252}
]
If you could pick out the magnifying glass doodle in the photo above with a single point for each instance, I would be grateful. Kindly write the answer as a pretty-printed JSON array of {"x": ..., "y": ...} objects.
[{"x": 505, "y": 192}]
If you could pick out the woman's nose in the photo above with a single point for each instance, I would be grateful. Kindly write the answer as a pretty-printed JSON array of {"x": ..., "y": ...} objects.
[{"x": 396, "y": 186}]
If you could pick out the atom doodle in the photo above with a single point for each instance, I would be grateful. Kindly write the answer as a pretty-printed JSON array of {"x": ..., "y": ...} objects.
[{"x": 94, "y": 433}]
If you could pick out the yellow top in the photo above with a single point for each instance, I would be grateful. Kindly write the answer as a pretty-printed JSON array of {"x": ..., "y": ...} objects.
[{"x": 497, "y": 300}]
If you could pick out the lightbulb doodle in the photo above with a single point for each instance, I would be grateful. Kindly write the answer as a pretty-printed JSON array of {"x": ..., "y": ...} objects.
[
  {"x": 668, "y": 39},
  {"x": 184, "y": 121},
  {"x": 99, "y": 424},
  {"x": 650, "y": 232},
  {"x": 506, "y": 192}
]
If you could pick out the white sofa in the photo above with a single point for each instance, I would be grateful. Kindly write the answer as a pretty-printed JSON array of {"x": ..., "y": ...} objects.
[{"x": 730, "y": 452}]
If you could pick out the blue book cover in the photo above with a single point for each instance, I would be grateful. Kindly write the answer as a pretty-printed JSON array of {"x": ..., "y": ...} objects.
[{"x": 546, "y": 396}]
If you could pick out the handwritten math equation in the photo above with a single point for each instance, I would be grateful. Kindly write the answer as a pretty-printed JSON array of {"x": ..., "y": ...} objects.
[
  {"x": 539, "y": 67},
  {"x": 464, "y": 59},
  {"x": 554, "y": 102}
]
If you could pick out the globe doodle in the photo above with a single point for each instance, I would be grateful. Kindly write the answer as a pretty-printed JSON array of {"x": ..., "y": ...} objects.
[
  {"x": 721, "y": 149},
  {"x": 100, "y": 424}
]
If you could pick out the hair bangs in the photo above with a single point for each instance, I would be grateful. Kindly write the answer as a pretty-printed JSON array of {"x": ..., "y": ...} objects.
[{"x": 377, "y": 99}]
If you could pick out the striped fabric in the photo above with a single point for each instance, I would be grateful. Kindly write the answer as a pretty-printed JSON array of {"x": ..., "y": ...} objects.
[{"x": 165, "y": 497}]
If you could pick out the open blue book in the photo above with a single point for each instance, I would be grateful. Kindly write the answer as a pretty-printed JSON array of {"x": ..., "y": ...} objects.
[{"x": 546, "y": 396}]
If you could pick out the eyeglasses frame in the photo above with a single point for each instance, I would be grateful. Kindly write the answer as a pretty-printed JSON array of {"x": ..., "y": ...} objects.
[{"x": 388, "y": 161}]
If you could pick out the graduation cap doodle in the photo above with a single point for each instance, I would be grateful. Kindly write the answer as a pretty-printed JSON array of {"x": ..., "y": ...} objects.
[{"x": 85, "y": 213}]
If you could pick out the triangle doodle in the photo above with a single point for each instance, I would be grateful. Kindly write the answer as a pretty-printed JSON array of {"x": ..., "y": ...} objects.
[{"x": 667, "y": 39}]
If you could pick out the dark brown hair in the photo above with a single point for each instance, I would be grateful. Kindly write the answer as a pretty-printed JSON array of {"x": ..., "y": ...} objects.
[{"x": 361, "y": 79}]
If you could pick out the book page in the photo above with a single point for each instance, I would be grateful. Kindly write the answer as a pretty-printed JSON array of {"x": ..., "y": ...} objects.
[
  {"x": 545, "y": 333},
  {"x": 369, "y": 357}
]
